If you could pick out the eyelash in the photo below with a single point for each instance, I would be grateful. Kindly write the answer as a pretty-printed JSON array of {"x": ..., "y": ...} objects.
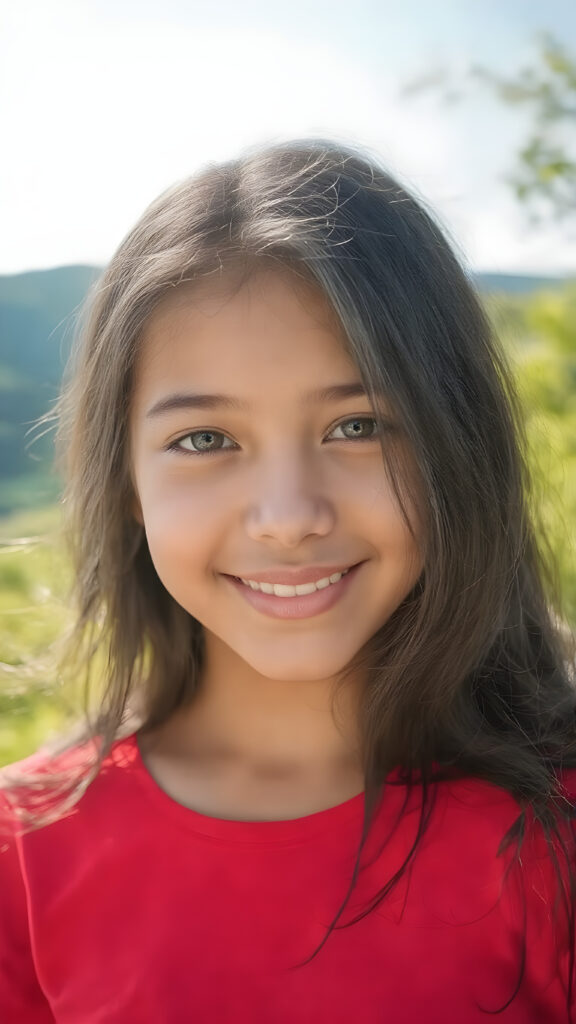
[{"x": 174, "y": 446}]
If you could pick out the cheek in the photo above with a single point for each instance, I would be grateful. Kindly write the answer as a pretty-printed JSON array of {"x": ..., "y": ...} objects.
[
  {"x": 172, "y": 501},
  {"x": 383, "y": 516},
  {"x": 398, "y": 542},
  {"x": 181, "y": 527}
]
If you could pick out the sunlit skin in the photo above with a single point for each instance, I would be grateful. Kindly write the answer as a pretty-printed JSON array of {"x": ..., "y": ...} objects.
[{"x": 285, "y": 485}]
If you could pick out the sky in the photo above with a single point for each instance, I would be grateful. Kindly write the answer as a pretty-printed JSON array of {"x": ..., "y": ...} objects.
[{"x": 105, "y": 103}]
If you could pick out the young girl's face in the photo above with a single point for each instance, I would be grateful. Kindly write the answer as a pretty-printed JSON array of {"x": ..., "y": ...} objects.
[{"x": 280, "y": 477}]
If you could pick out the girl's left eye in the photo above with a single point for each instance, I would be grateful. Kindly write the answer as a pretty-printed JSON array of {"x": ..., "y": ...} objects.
[
  {"x": 358, "y": 431},
  {"x": 204, "y": 442}
]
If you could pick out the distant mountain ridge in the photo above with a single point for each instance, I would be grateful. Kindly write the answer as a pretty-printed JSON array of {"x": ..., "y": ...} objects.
[
  {"x": 38, "y": 315},
  {"x": 518, "y": 284}
]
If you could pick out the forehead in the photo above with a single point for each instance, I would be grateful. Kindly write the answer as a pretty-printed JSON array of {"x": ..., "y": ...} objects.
[{"x": 271, "y": 328}]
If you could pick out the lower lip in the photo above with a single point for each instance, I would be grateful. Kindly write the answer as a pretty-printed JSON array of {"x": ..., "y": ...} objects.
[{"x": 303, "y": 606}]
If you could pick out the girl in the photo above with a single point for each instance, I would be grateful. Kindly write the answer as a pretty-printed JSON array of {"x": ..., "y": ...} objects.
[{"x": 330, "y": 777}]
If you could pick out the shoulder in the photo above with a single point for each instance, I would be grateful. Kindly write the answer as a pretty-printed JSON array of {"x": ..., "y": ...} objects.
[
  {"x": 72, "y": 754},
  {"x": 539, "y": 851},
  {"x": 53, "y": 781},
  {"x": 480, "y": 824},
  {"x": 503, "y": 859},
  {"x": 485, "y": 801}
]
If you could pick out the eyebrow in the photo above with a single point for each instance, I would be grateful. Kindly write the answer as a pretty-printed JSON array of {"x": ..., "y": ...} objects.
[{"x": 191, "y": 400}]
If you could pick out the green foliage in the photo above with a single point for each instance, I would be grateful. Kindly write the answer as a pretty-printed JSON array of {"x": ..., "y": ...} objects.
[
  {"x": 544, "y": 179},
  {"x": 546, "y": 173},
  {"x": 33, "y": 618},
  {"x": 540, "y": 334}
]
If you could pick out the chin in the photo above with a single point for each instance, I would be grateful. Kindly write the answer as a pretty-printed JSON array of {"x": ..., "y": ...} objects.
[{"x": 304, "y": 669}]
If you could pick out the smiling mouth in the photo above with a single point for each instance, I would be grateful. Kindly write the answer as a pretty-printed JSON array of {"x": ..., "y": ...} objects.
[
  {"x": 299, "y": 590},
  {"x": 293, "y": 602}
]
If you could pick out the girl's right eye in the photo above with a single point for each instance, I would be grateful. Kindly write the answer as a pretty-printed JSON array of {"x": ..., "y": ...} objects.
[{"x": 201, "y": 442}]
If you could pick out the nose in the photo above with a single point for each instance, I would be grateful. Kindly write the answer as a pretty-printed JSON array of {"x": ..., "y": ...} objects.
[{"x": 289, "y": 504}]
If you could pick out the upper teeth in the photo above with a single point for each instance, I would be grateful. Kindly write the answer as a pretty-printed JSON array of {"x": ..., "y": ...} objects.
[{"x": 285, "y": 590}]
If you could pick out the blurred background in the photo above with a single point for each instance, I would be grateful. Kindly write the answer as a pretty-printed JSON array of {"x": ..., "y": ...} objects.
[{"x": 105, "y": 103}]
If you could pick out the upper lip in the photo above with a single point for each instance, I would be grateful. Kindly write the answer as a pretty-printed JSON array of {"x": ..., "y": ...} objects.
[{"x": 294, "y": 576}]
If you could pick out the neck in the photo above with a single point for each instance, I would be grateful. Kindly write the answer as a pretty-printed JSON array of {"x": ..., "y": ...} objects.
[{"x": 262, "y": 726}]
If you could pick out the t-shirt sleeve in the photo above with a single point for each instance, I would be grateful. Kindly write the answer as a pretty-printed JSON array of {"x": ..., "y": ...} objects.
[{"x": 21, "y": 998}]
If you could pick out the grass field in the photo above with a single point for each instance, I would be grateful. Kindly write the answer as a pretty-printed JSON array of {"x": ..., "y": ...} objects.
[{"x": 33, "y": 619}]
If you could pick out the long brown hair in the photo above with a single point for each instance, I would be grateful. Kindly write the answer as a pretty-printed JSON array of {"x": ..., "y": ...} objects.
[{"x": 469, "y": 677}]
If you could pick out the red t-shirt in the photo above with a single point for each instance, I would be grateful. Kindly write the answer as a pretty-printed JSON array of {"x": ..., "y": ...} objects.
[{"x": 137, "y": 910}]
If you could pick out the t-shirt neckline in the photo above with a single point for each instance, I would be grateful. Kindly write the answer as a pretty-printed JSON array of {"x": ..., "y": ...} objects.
[{"x": 288, "y": 830}]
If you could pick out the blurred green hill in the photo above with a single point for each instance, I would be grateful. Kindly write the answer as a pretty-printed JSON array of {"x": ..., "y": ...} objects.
[{"x": 37, "y": 319}]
